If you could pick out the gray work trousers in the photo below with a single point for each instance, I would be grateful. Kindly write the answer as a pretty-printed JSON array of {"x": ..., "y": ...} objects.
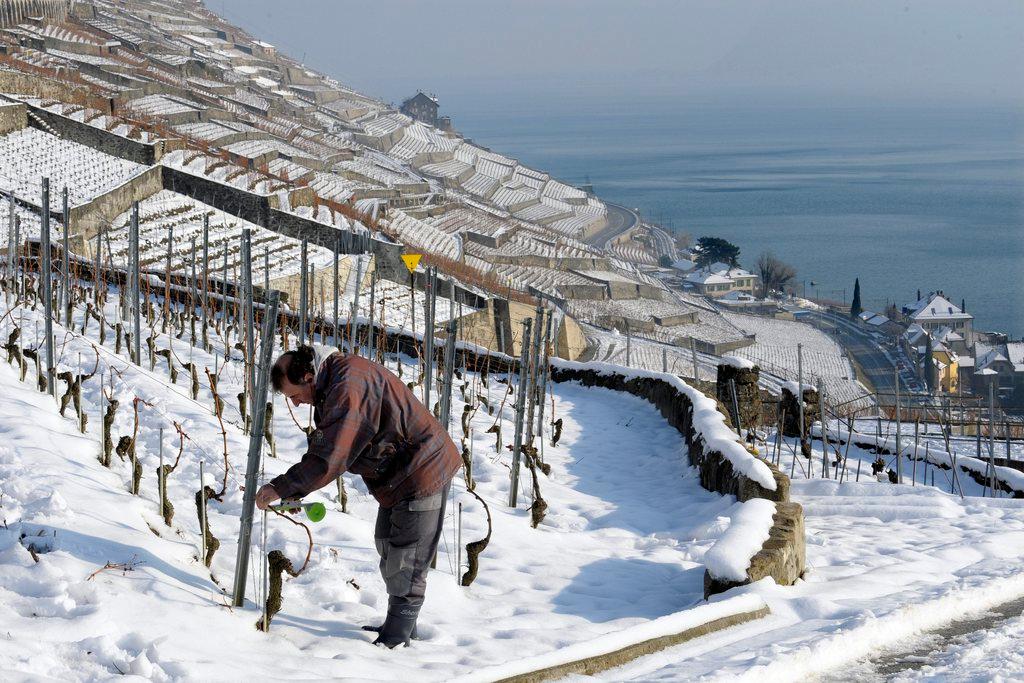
[{"x": 406, "y": 536}]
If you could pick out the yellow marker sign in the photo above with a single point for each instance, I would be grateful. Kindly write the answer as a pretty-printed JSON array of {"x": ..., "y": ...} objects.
[{"x": 411, "y": 261}]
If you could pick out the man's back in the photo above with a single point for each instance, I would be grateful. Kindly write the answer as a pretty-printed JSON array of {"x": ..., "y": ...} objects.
[{"x": 371, "y": 424}]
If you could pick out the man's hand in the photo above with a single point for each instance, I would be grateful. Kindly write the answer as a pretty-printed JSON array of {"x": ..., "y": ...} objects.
[{"x": 265, "y": 496}]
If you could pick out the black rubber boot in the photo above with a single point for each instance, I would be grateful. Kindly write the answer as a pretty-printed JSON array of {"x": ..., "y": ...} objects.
[
  {"x": 376, "y": 629},
  {"x": 397, "y": 627}
]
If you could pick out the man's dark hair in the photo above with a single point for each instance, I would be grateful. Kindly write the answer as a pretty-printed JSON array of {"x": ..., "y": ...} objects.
[{"x": 299, "y": 362}]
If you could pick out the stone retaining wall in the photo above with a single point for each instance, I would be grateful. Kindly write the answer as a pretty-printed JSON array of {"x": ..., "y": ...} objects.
[
  {"x": 12, "y": 117},
  {"x": 782, "y": 556}
]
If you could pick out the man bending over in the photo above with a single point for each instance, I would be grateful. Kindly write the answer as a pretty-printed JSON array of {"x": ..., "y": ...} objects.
[{"x": 369, "y": 423}]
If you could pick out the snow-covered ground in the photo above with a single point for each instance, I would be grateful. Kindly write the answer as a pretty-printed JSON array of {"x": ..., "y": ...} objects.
[
  {"x": 622, "y": 543},
  {"x": 885, "y": 564}
]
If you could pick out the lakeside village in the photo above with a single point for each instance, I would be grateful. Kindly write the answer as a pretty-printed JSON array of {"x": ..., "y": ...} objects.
[{"x": 935, "y": 336}]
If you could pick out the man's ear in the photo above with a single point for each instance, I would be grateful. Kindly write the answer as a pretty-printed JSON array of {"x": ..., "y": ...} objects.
[{"x": 308, "y": 379}]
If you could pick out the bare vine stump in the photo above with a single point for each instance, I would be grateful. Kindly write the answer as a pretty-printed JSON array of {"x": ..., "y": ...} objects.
[
  {"x": 279, "y": 564},
  {"x": 496, "y": 430},
  {"x": 242, "y": 403},
  {"x": 556, "y": 431},
  {"x": 467, "y": 462},
  {"x": 108, "y": 441},
  {"x": 166, "y": 509},
  {"x": 212, "y": 542},
  {"x": 342, "y": 495},
  {"x": 475, "y": 548},
  {"x": 268, "y": 431}
]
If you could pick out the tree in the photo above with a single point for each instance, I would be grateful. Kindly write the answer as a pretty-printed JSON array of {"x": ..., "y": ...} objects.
[
  {"x": 715, "y": 249},
  {"x": 855, "y": 308},
  {"x": 929, "y": 364},
  {"x": 775, "y": 274}
]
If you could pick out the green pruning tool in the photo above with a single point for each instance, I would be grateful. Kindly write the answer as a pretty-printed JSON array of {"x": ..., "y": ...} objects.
[{"x": 315, "y": 512}]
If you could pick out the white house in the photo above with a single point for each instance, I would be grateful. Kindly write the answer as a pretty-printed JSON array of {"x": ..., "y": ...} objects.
[
  {"x": 719, "y": 279},
  {"x": 935, "y": 311}
]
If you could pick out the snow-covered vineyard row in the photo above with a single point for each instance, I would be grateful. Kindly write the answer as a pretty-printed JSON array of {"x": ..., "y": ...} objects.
[
  {"x": 170, "y": 219},
  {"x": 28, "y": 155},
  {"x": 824, "y": 361}
]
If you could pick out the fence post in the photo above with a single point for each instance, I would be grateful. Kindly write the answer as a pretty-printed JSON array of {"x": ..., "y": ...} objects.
[
  {"x": 545, "y": 371},
  {"x": 66, "y": 261},
  {"x": 252, "y": 469},
  {"x": 250, "y": 323},
  {"x": 98, "y": 268},
  {"x": 206, "y": 281},
  {"x": 46, "y": 277},
  {"x": 693, "y": 353},
  {"x": 10, "y": 242},
  {"x": 517, "y": 444},
  {"x": 532, "y": 381},
  {"x": 337, "y": 285},
  {"x": 428, "y": 334},
  {"x": 899, "y": 429},
  {"x": 800, "y": 392},
  {"x": 303, "y": 294},
  {"x": 371, "y": 340},
  {"x": 136, "y": 308},
  {"x": 449, "y": 371}
]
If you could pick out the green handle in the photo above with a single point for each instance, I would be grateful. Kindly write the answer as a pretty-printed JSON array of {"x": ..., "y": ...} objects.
[{"x": 315, "y": 512}]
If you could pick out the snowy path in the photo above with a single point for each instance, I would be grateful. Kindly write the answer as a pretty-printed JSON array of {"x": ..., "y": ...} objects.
[
  {"x": 885, "y": 563},
  {"x": 622, "y": 543}
]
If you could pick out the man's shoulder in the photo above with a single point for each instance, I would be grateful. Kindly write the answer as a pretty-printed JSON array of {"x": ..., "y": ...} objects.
[{"x": 347, "y": 363}]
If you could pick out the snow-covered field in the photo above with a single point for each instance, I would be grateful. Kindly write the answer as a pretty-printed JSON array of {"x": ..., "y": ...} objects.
[{"x": 620, "y": 544}]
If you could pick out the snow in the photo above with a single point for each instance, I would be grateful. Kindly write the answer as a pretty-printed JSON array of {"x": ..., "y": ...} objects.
[
  {"x": 621, "y": 546},
  {"x": 708, "y": 421},
  {"x": 729, "y": 558},
  {"x": 885, "y": 563},
  {"x": 737, "y": 362},
  {"x": 657, "y": 628}
]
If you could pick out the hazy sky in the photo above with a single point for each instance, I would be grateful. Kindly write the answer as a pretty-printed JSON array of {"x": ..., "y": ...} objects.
[{"x": 807, "y": 49}]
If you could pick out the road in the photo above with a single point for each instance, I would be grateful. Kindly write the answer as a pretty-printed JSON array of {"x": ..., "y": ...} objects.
[
  {"x": 620, "y": 219},
  {"x": 876, "y": 367}
]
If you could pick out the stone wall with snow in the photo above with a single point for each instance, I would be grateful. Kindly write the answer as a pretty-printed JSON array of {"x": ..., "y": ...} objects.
[{"x": 773, "y": 522}]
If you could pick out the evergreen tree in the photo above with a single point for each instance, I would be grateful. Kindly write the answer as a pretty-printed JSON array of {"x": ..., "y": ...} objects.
[
  {"x": 929, "y": 364},
  {"x": 715, "y": 249},
  {"x": 855, "y": 308}
]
